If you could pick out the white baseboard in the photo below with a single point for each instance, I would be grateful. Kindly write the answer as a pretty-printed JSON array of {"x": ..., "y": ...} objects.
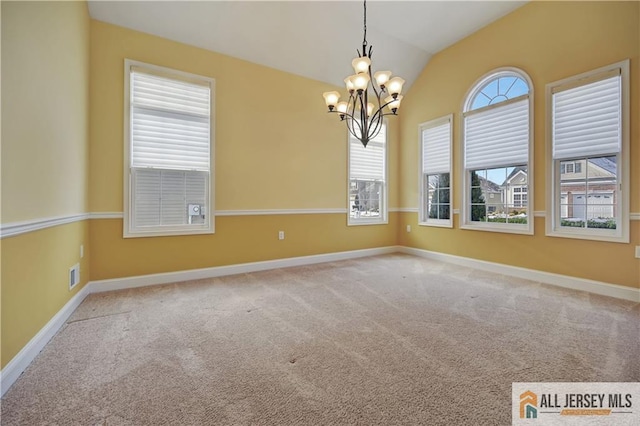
[
  {"x": 21, "y": 361},
  {"x": 583, "y": 284},
  {"x": 241, "y": 268}
]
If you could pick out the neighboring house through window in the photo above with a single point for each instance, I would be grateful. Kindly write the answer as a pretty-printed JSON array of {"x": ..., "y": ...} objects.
[
  {"x": 168, "y": 152},
  {"x": 497, "y": 140},
  {"x": 435, "y": 172},
  {"x": 368, "y": 180},
  {"x": 589, "y": 161}
]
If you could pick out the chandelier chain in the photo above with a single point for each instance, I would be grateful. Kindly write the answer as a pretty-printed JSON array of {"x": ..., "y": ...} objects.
[{"x": 364, "y": 41}]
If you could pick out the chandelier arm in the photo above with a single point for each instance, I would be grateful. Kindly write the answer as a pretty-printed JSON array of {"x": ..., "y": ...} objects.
[
  {"x": 346, "y": 114},
  {"x": 379, "y": 113},
  {"x": 387, "y": 103},
  {"x": 351, "y": 127},
  {"x": 374, "y": 134},
  {"x": 357, "y": 121},
  {"x": 375, "y": 129},
  {"x": 373, "y": 86},
  {"x": 379, "y": 102},
  {"x": 364, "y": 120},
  {"x": 352, "y": 132}
]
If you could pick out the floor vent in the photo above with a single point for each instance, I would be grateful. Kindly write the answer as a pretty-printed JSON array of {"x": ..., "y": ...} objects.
[{"x": 74, "y": 275}]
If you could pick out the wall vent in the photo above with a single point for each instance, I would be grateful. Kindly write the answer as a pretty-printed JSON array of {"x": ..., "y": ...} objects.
[{"x": 74, "y": 275}]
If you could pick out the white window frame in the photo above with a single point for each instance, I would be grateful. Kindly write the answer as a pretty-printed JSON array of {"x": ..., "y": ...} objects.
[
  {"x": 465, "y": 220},
  {"x": 553, "y": 212},
  {"x": 129, "y": 231},
  {"x": 384, "y": 216},
  {"x": 444, "y": 223}
]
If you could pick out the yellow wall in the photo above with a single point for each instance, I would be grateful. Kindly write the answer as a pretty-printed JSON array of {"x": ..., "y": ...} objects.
[
  {"x": 45, "y": 124},
  {"x": 35, "y": 270},
  {"x": 238, "y": 239},
  {"x": 549, "y": 41},
  {"x": 45, "y": 107},
  {"x": 275, "y": 148}
]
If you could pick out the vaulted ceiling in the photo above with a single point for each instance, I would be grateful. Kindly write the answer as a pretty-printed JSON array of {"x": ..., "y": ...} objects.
[{"x": 308, "y": 38}]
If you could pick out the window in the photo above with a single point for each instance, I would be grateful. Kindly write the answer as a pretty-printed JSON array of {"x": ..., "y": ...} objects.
[
  {"x": 368, "y": 180},
  {"x": 435, "y": 172},
  {"x": 519, "y": 196},
  {"x": 168, "y": 151},
  {"x": 567, "y": 167},
  {"x": 588, "y": 155},
  {"x": 497, "y": 140}
]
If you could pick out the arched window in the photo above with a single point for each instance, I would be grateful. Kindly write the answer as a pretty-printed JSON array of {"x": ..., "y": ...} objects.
[
  {"x": 497, "y": 152},
  {"x": 500, "y": 87}
]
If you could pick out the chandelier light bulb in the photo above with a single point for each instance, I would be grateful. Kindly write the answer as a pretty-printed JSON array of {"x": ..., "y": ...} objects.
[
  {"x": 393, "y": 104},
  {"x": 361, "y": 82},
  {"x": 349, "y": 83},
  {"x": 382, "y": 77},
  {"x": 361, "y": 64},
  {"x": 331, "y": 99},
  {"x": 394, "y": 86},
  {"x": 342, "y": 107}
]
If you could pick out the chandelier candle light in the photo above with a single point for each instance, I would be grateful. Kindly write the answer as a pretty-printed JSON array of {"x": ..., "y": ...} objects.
[{"x": 362, "y": 121}]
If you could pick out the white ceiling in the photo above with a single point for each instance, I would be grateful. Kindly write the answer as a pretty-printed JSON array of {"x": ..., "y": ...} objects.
[{"x": 309, "y": 38}]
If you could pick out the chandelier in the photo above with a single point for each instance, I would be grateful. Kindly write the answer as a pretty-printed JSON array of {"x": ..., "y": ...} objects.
[{"x": 363, "y": 117}]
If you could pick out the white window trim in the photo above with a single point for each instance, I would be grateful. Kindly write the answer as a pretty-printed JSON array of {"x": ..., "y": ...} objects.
[
  {"x": 442, "y": 223},
  {"x": 465, "y": 222},
  {"x": 620, "y": 235},
  {"x": 384, "y": 217},
  {"x": 210, "y": 209}
]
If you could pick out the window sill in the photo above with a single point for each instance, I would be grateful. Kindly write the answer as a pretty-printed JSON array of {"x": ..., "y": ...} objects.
[
  {"x": 611, "y": 237},
  {"x": 360, "y": 222},
  {"x": 508, "y": 229},
  {"x": 167, "y": 233},
  {"x": 437, "y": 223}
]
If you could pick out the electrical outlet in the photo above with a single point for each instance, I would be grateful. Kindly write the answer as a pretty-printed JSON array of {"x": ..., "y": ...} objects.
[
  {"x": 281, "y": 235},
  {"x": 81, "y": 251},
  {"x": 408, "y": 228},
  {"x": 638, "y": 252}
]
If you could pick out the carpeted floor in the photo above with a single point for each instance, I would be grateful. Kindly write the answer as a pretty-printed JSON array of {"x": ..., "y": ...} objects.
[{"x": 384, "y": 340}]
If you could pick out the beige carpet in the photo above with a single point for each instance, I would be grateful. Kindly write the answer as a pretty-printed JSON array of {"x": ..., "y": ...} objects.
[{"x": 385, "y": 340}]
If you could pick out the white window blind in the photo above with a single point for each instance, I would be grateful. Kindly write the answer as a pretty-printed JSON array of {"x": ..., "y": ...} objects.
[
  {"x": 169, "y": 123},
  {"x": 587, "y": 119},
  {"x": 497, "y": 136},
  {"x": 368, "y": 163},
  {"x": 161, "y": 197},
  {"x": 169, "y": 151},
  {"x": 436, "y": 149}
]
